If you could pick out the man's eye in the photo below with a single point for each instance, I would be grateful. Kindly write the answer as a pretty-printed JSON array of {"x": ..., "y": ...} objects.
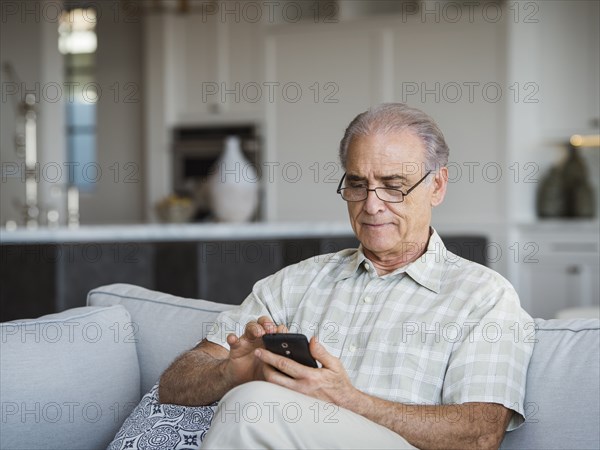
[
  {"x": 393, "y": 187},
  {"x": 357, "y": 186}
]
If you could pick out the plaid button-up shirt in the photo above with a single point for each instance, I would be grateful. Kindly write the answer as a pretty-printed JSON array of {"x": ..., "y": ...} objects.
[{"x": 440, "y": 330}]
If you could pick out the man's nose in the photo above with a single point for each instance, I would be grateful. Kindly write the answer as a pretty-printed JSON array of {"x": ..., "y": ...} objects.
[{"x": 373, "y": 204}]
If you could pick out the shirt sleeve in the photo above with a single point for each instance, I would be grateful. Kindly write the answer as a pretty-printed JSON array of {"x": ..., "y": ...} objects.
[{"x": 489, "y": 364}]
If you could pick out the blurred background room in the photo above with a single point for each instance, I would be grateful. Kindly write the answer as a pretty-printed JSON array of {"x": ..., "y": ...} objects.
[{"x": 190, "y": 146}]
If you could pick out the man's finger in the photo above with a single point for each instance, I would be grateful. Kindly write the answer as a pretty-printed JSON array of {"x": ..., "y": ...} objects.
[
  {"x": 319, "y": 352},
  {"x": 281, "y": 363},
  {"x": 253, "y": 331},
  {"x": 232, "y": 339},
  {"x": 267, "y": 324},
  {"x": 273, "y": 375}
]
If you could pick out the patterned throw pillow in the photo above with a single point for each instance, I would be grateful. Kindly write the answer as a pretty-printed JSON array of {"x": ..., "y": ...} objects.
[{"x": 153, "y": 425}]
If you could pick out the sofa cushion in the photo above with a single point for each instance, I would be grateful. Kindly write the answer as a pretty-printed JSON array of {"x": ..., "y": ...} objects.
[
  {"x": 164, "y": 325},
  {"x": 562, "y": 403},
  {"x": 156, "y": 426},
  {"x": 67, "y": 380}
]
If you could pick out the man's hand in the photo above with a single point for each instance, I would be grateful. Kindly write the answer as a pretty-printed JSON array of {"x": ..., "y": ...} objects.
[
  {"x": 330, "y": 383},
  {"x": 242, "y": 365}
]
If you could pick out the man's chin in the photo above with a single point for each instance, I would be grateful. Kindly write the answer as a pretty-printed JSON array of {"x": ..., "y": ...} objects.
[{"x": 375, "y": 246}]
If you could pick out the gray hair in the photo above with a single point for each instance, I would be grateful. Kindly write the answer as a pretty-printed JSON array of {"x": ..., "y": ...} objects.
[{"x": 395, "y": 118}]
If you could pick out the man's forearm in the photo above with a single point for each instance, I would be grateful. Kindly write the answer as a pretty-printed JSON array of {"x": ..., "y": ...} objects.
[
  {"x": 195, "y": 378},
  {"x": 468, "y": 425}
]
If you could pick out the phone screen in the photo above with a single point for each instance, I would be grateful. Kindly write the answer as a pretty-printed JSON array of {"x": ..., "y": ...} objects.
[{"x": 290, "y": 345}]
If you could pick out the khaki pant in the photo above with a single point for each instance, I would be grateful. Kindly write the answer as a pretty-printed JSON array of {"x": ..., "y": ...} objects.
[{"x": 263, "y": 415}]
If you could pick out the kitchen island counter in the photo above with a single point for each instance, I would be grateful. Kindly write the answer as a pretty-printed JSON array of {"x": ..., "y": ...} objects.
[
  {"x": 177, "y": 232},
  {"x": 49, "y": 270}
]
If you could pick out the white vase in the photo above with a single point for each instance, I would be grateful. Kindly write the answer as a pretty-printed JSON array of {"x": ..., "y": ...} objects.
[{"x": 233, "y": 185}]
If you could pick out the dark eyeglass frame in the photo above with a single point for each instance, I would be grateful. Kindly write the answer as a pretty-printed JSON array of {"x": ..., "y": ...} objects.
[{"x": 404, "y": 194}]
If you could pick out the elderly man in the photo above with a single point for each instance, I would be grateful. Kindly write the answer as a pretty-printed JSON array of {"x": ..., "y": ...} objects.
[{"x": 417, "y": 346}]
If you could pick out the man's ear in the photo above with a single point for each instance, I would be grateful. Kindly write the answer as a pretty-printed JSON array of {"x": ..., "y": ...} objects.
[{"x": 440, "y": 183}]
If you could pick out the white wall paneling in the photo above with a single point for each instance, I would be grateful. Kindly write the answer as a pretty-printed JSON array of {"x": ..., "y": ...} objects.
[{"x": 326, "y": 78}]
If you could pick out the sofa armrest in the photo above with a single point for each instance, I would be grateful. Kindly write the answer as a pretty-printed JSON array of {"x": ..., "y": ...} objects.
[{"x": 67, "y": 380}]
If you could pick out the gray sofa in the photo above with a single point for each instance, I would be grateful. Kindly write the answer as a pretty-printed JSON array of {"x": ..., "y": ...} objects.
[{"x": 69, "y": 380}]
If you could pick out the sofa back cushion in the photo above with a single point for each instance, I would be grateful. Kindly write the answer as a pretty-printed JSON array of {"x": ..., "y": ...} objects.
[
  {"x": 163, "y": 325},
  {"x": 562, "y": 403},
  {"x": 67, "y": 380}
]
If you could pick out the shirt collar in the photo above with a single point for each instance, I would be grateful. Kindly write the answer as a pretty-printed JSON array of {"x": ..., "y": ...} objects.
[
  {"x": 350, "y": 264},
  {"x": 425, "y": 270}
]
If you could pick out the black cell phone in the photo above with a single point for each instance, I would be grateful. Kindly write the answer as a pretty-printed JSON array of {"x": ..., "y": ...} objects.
[{"x": 291, "y": 345}]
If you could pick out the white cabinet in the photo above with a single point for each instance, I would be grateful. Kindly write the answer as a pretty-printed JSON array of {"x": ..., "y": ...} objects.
[
  {"x": 217, "y": 68},
  {"x": 560, "y": 268},
  {"x": 569, "y": 65},
  {"x": 558, "y": 285}
]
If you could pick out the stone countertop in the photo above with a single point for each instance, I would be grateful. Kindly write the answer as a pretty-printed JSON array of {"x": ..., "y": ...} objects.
[
  {"x": 176, "y": 232},
  {"x": 563, "y": 226}
]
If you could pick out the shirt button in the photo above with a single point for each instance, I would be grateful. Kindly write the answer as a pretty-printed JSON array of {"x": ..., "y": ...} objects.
[
  {"x": 368, "y": 300},
  {"x": 367, "y": 266},
  {"x": 352, "y": 348}
]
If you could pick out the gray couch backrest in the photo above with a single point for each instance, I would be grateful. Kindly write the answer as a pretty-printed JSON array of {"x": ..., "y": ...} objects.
[
  {"x": 163, "y": 325},
  {"x": 562, "y": 403}
]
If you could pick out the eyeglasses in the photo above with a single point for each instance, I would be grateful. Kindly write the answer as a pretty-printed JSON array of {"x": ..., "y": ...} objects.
[{"x": 388, "y": 195}]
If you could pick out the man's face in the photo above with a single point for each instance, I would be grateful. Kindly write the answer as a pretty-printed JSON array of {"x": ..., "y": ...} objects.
[{"x": 396, "y": 160}]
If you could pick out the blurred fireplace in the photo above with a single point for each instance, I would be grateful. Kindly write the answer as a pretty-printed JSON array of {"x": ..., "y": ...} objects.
[{"x": 196, "y": 149}]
